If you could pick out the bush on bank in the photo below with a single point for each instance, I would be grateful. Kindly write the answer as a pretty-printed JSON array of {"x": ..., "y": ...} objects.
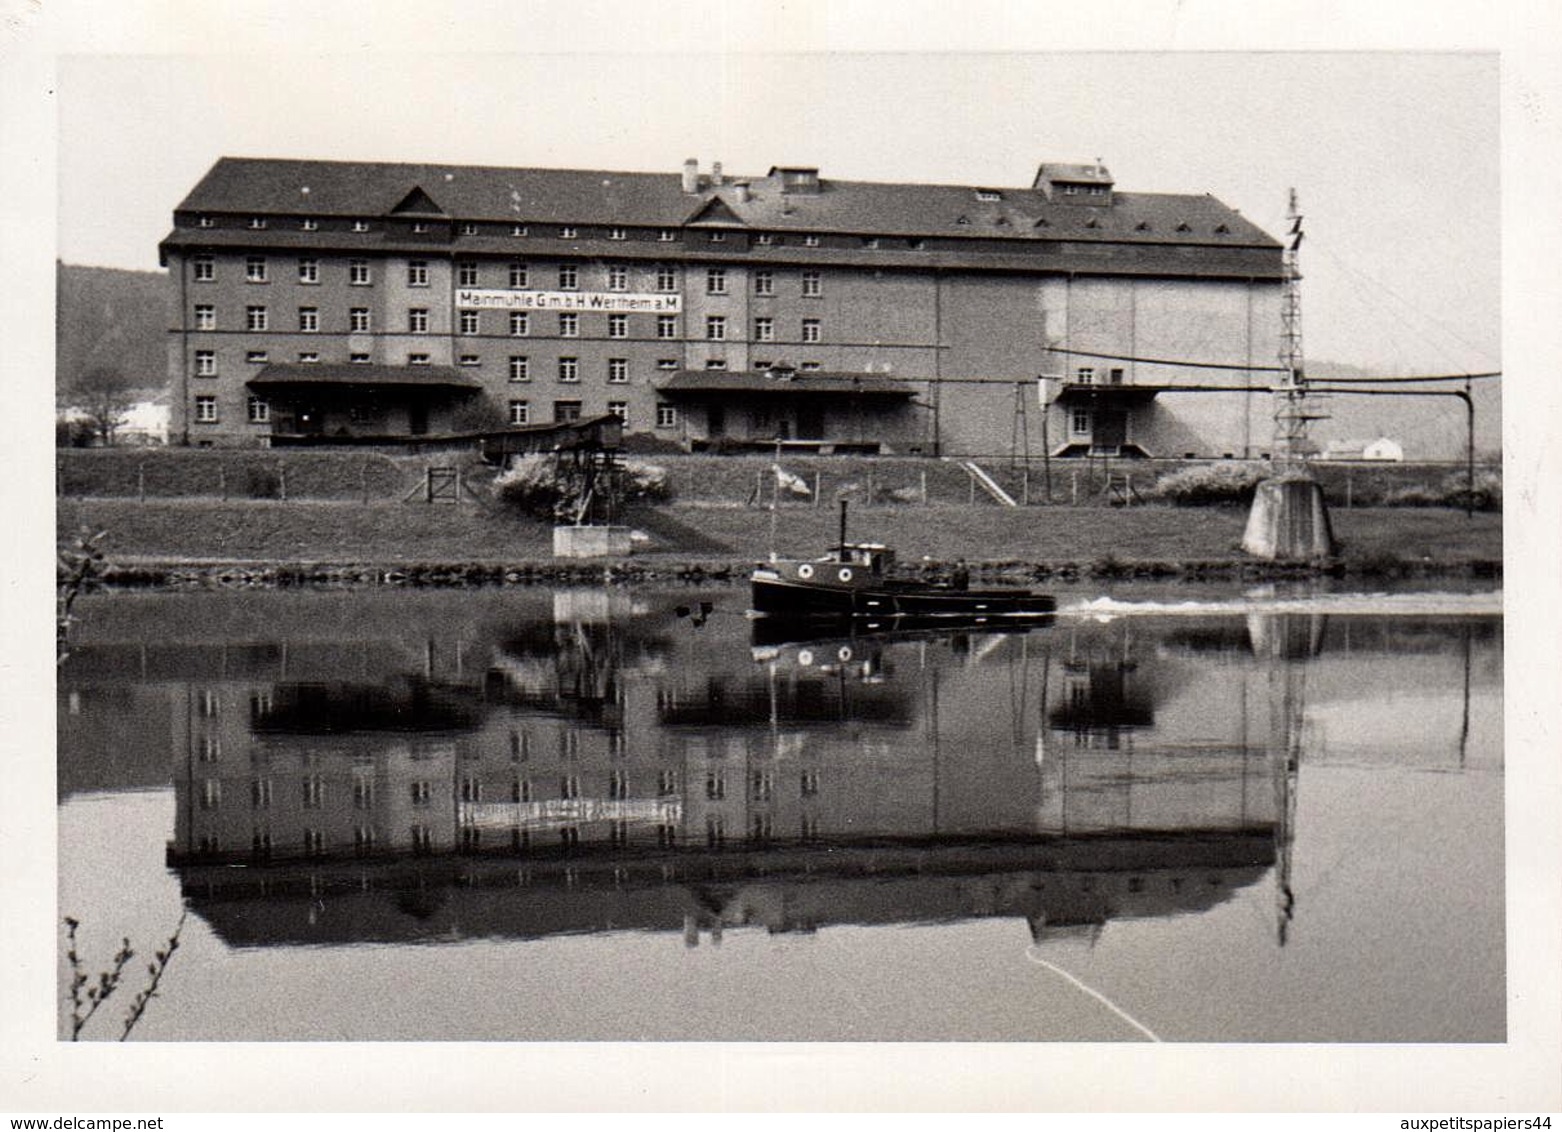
[{"x": 548, "y": 487}]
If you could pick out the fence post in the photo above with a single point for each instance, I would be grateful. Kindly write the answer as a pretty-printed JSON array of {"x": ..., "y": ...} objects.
[
  {"x": 870, "y": 487},
  {"x": 141, "y": 482},
  {"x": 817, "y": 488},
  {"x": 1073, "y": 488},
  {"x": 924, "y": 487},
  {"x": 1348, "y": 493},
  {"x": 363, "y": 480},
  {"x": 282, "y": 480},
  {"x": 222, "y": 481}
]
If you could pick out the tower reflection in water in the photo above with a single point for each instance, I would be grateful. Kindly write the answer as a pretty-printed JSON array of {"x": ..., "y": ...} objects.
[{"x": 620, "y": 773}]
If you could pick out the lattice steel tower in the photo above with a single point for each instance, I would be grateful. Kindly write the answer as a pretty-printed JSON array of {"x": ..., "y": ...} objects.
[{"x": 1294, "y": 412}]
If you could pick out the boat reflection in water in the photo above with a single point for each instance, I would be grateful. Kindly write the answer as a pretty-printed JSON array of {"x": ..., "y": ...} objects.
[{"x": 633, "y": 773}]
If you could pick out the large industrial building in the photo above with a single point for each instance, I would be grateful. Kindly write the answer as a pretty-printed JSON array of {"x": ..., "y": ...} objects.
[{"x": 354, "y": 302}]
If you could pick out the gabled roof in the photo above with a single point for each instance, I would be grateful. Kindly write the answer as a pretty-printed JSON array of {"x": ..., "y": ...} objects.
[
  {"x": 248, "y": 186},
  {"x": 278, "y": 376},
  {"x": 785, "y": 382}
]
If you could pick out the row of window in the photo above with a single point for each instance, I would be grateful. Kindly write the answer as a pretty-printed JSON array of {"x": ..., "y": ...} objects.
[
  {"x": 519, "y": 412},
  {"x": 518, "y": 365},
  {"x": 762, "y": 789},
  {"x": 469, "y": 323},
  {"x": 563, "y": 231},
  {"x": 360, "y": 273}
]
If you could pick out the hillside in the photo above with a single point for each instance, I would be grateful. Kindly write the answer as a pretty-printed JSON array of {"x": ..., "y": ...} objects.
[
  {"x": 1429, "y": 428},
  {"x": 111, "y": 318}
]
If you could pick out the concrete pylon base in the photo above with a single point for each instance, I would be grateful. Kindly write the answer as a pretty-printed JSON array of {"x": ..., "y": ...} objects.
[
  {"x": 591, "y": 542},
  {"x": 1289, "y": 522}
]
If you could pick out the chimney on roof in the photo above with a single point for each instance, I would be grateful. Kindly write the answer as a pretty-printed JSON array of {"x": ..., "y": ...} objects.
[
  {"x": 715, "y": 173},
  {"x": 742, "y": 190},
  {"x": 691, "y": 176}
]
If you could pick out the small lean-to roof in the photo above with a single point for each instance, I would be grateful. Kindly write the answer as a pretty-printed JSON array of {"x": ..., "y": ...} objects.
[
  {"x": 279, "y": 376},
  {"x": 265, "y": 186},
  {"x": 785, "y": 383}
]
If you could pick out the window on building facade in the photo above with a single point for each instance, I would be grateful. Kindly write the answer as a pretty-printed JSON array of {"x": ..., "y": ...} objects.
[
  {"x": 617, "y": 234},
  {"x": 715, "y": 328},
  {"x": 360, "y": 225},
  {"x": 716, "y": 281},
  {"x": 618, "y": 370},
  {"x": 254, "y": 318},
  {"x": 569, "y": 277},
  {"x": 309, "y": 271},
  {"x": 420, "y": 227},
  {"x": 470, "y": 322},
  {"x": 564, "y": 411},
  {"x": 717, "y": 237},
  {"x": 255, "y": 269},
  {"x": 259, "y": 410},
  {"x": 520, "y": 412},
  {"x": 205, "y": 316},
  {"x": 715, "y": 363},
  {"x": 520, "y": 324},
  {"x": 257, "y": 223},
  {"x": 518, "y": 230},
  {"x": 466, "y": 274},
  {"x": 569, "y": 370},
  {"x": 666, "y": 415},
  {"x": 205, "y": 268},
  {"x": 517, "y": 275},
  {"x": 471, "y": 360},
  {"x": 309, "y": 320},
  {"x": 811, "y": 330},
  {"x": 569, "y": 232},
  {"x": 666, "y": 363},
  {"x": 358, "y": 273},
  {"x": 764, "y": 330},
  {"x": 666, "y": 278},
  {"x": 417, "y": 359},
  {"x": 813, "y": 284},
  {"x": 809, "y": 367},
  {"x": 618, "y": 326},
  {"x": 358, "y": 320},
  {"x": 206, "y": 410},
  {"x": 667, "y": 326},
  {"x": 1079, "y": 422},
  {"x": 358, "y": 359},
  {"x": 417, "y": 320},
  {"x": 417, "y": 273},
  {"x": 666, "y": 235},
  {"x": 810, "y": 241},
  {"x": 764, "y": 283},
  {"x": 1085, "y": 375},
  {"x": 256, "y": 357},
  {"x": 569, "y": 325},
  {"x": 762, "y": 364},
  {"x": 765, "y": 239},
  {"x": 205, "y": 222},
  {"x": 619, "y": 409},
  {"x": 520, "y": 368},
  {"x": 308, "y": 357},
  {"x": 206, "y": 363}
]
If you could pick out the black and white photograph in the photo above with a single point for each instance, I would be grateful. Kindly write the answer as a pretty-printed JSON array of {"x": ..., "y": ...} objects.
[{"x": 943, "y": 560}]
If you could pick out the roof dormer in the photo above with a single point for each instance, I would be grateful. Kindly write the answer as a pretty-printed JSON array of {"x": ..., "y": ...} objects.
[
  {"x": 1074, "y": 184},
  {"x": 796, "y": 178}
]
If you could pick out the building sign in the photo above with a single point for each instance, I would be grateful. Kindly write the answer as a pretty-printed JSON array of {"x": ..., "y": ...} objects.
[
  {"x": 568, "y": 811},
  {"x": 612, "y": 302}
]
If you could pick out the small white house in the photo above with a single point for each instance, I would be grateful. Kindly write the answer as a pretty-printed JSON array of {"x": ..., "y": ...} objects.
[{"x": 1384, "y": 449}]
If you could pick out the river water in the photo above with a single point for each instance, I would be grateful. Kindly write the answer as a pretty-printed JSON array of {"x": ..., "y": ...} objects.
[{"x": 524, "y": 814}]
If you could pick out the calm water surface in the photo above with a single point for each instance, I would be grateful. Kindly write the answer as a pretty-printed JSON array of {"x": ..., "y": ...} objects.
[{"x": 526, "y": 814}]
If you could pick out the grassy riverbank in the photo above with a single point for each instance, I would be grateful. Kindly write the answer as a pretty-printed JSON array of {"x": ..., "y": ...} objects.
[{"x": 1151, "y": 539}]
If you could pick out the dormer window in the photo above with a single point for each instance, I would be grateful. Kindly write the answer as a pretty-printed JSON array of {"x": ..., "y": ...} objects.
[
  {"x": 1184, "y": 228},
  {"x": 205, "y": 222},
  {"x": 309, "y": 224},
  {"x": 360, "y": 225},
  {"x": 718, "y": 237},
  {"x": 765, "y": 239},
  {"x": 420, "y": 227},
  {"x": 617, "y": 234},
  {"x": 517, "y": 229},
  {"x": 469, "y": 229},
  {"x": 810, "y": 241},
  {"x": 963, "y": 220},
  {"x": 666, "y": 235},
  {"x": 989, "y": 196},
  {"x": 1142, "y": 226},
  {"x": 1222, "y": 230},
  {"x": 1092, "y": 223},
  {"x": 257, "y": 223},
  {"x": 569, "y": 232}
]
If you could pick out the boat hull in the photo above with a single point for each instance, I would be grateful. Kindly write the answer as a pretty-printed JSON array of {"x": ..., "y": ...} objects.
[{"x": 779, "y": 596}]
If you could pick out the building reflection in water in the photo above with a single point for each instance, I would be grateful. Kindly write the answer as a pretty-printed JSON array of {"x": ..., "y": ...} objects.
[{"x": 602, "y": 771}]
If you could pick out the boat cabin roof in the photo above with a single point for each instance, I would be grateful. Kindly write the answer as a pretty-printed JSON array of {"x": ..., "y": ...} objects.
[{"x": 874, "y": 555}]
